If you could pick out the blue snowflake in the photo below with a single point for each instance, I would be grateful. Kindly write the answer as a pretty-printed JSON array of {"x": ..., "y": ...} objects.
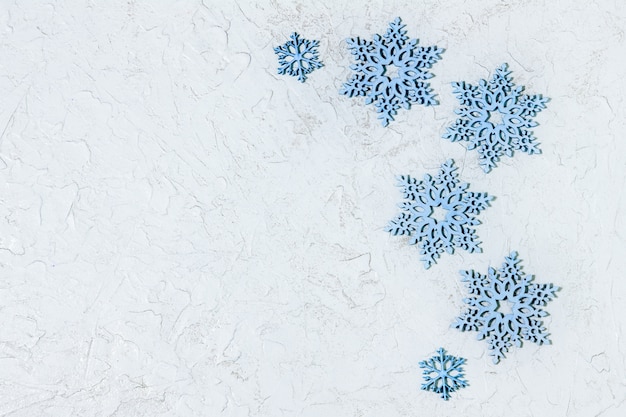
[
  {"x": 390, "y": 71},
  {"x": 495, "y": 118},
  {"x": 298, "y": 57},
  {"x": 505, "y": 307},
  {"x": 439, "y": 213},
  {"x": 443, "y": 374}
]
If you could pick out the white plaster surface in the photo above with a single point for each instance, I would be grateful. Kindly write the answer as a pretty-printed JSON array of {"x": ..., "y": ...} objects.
[{"x": 185, "y": 233}]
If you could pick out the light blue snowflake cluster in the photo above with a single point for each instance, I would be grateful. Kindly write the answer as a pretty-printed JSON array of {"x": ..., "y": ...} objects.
[
  {"x": 443, "y": 374},
  {"x": 390, "y": 71},
  {"x": 505, "y": 307},
  {"x": 298, "y": 57},
  {"x": 496, "y": 118},
  {"x": 439, "y": 213}
]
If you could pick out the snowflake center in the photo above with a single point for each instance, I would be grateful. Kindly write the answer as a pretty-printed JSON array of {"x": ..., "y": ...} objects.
[
  {"x": 505, "y": 307},
  {"x": 439, "y": 214},
  {"x": 391, "y": 71},
  {"x": 495, "y": 118}
]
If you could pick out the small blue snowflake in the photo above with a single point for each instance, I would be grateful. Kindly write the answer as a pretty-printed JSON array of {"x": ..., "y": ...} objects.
[
  {"x": 439, "y": 213},
  {"x": 298, "y": 57},
  {"x": 495, "y": 118},
  {"x": 390, "y": 71},
  {"x": 443, "y": 374},
  {"x": 505, "y": 307}
]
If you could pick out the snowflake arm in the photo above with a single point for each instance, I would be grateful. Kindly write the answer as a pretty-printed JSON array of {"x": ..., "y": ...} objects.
[
  {"x": 490, "y": 294},
  {"x": 531, "y": 105},
  {"x": 476, "y": 202},
  {"x": 501, "y": 80},
  {"x": 440, "y": 193},
  {"x": 495, "y": 118},
  {"x": 354, "y": 87},
  {"x": 390, "y": 71},
  {"x": 401, "y": 225},
  {"x": 427, "y": 56},
  {"x": 298, "y": 57},
  {"x": 541, "y": 295},
  {"x": 443, "y": 374}
]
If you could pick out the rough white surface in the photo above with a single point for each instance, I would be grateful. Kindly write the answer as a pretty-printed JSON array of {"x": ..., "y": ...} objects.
[{"x": 185, "y": 233}]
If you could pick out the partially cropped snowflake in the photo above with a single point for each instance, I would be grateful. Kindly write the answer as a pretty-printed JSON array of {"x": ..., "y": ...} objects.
[
  {"x": 443, "y": 374},
  {"x": 390, "y": 71},
  {"x": 439, "y": 213},
  {"x": 298, "y": 57},
  {"x": 496, "y": 118},
  {"x": 505, "y": 307}
]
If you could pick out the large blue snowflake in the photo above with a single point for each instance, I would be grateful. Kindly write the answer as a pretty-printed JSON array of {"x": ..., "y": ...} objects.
[
  {"x": 390, "y": 71},
  {"x": 443, "y": 374},
  {"x": 496, "y": 118},
  {"x": 439, "y": 213},
  {"x": 505, "y": 307},
  {"x": 298, "y": 57}
]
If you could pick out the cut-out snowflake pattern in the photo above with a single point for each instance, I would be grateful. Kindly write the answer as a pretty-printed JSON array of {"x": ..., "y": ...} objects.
[
  {"x": 496, "y": 118},
  {"x": 390, "y": 71},
  {"x": 439, "y": 213},
  {"x": 443, "y": 374},
  {"x": 505, "y": 307},
  {"x": 298, "y": 57}
]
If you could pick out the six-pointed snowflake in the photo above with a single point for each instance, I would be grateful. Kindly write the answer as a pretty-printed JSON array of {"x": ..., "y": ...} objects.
[
  {"x": 298, "y": 57},
  {"x": 390, "y": 71},
  {"x": 439, "y": 213},
  {"x": 443, "y": 374},
  {"x": 505, "y": 307},
  {"x": 495, "y": 118}
]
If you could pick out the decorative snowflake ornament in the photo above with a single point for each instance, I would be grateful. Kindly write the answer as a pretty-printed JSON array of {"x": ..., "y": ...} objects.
[
  {"x": 505, "y": 307},
  {"x": 439, "y": 213},
  {"x": 298, "y": 57},
  {"x": 443, "y": 374},
  {"x": 390, "y": 71},
  {"x": 496, "y": 118}
]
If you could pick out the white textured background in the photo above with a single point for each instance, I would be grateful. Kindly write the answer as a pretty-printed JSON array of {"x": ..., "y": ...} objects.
[{"x": 185, "y": 233}]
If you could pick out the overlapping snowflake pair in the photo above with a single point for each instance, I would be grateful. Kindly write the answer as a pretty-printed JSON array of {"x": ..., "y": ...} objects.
[{"x": 390, "y": 72}]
